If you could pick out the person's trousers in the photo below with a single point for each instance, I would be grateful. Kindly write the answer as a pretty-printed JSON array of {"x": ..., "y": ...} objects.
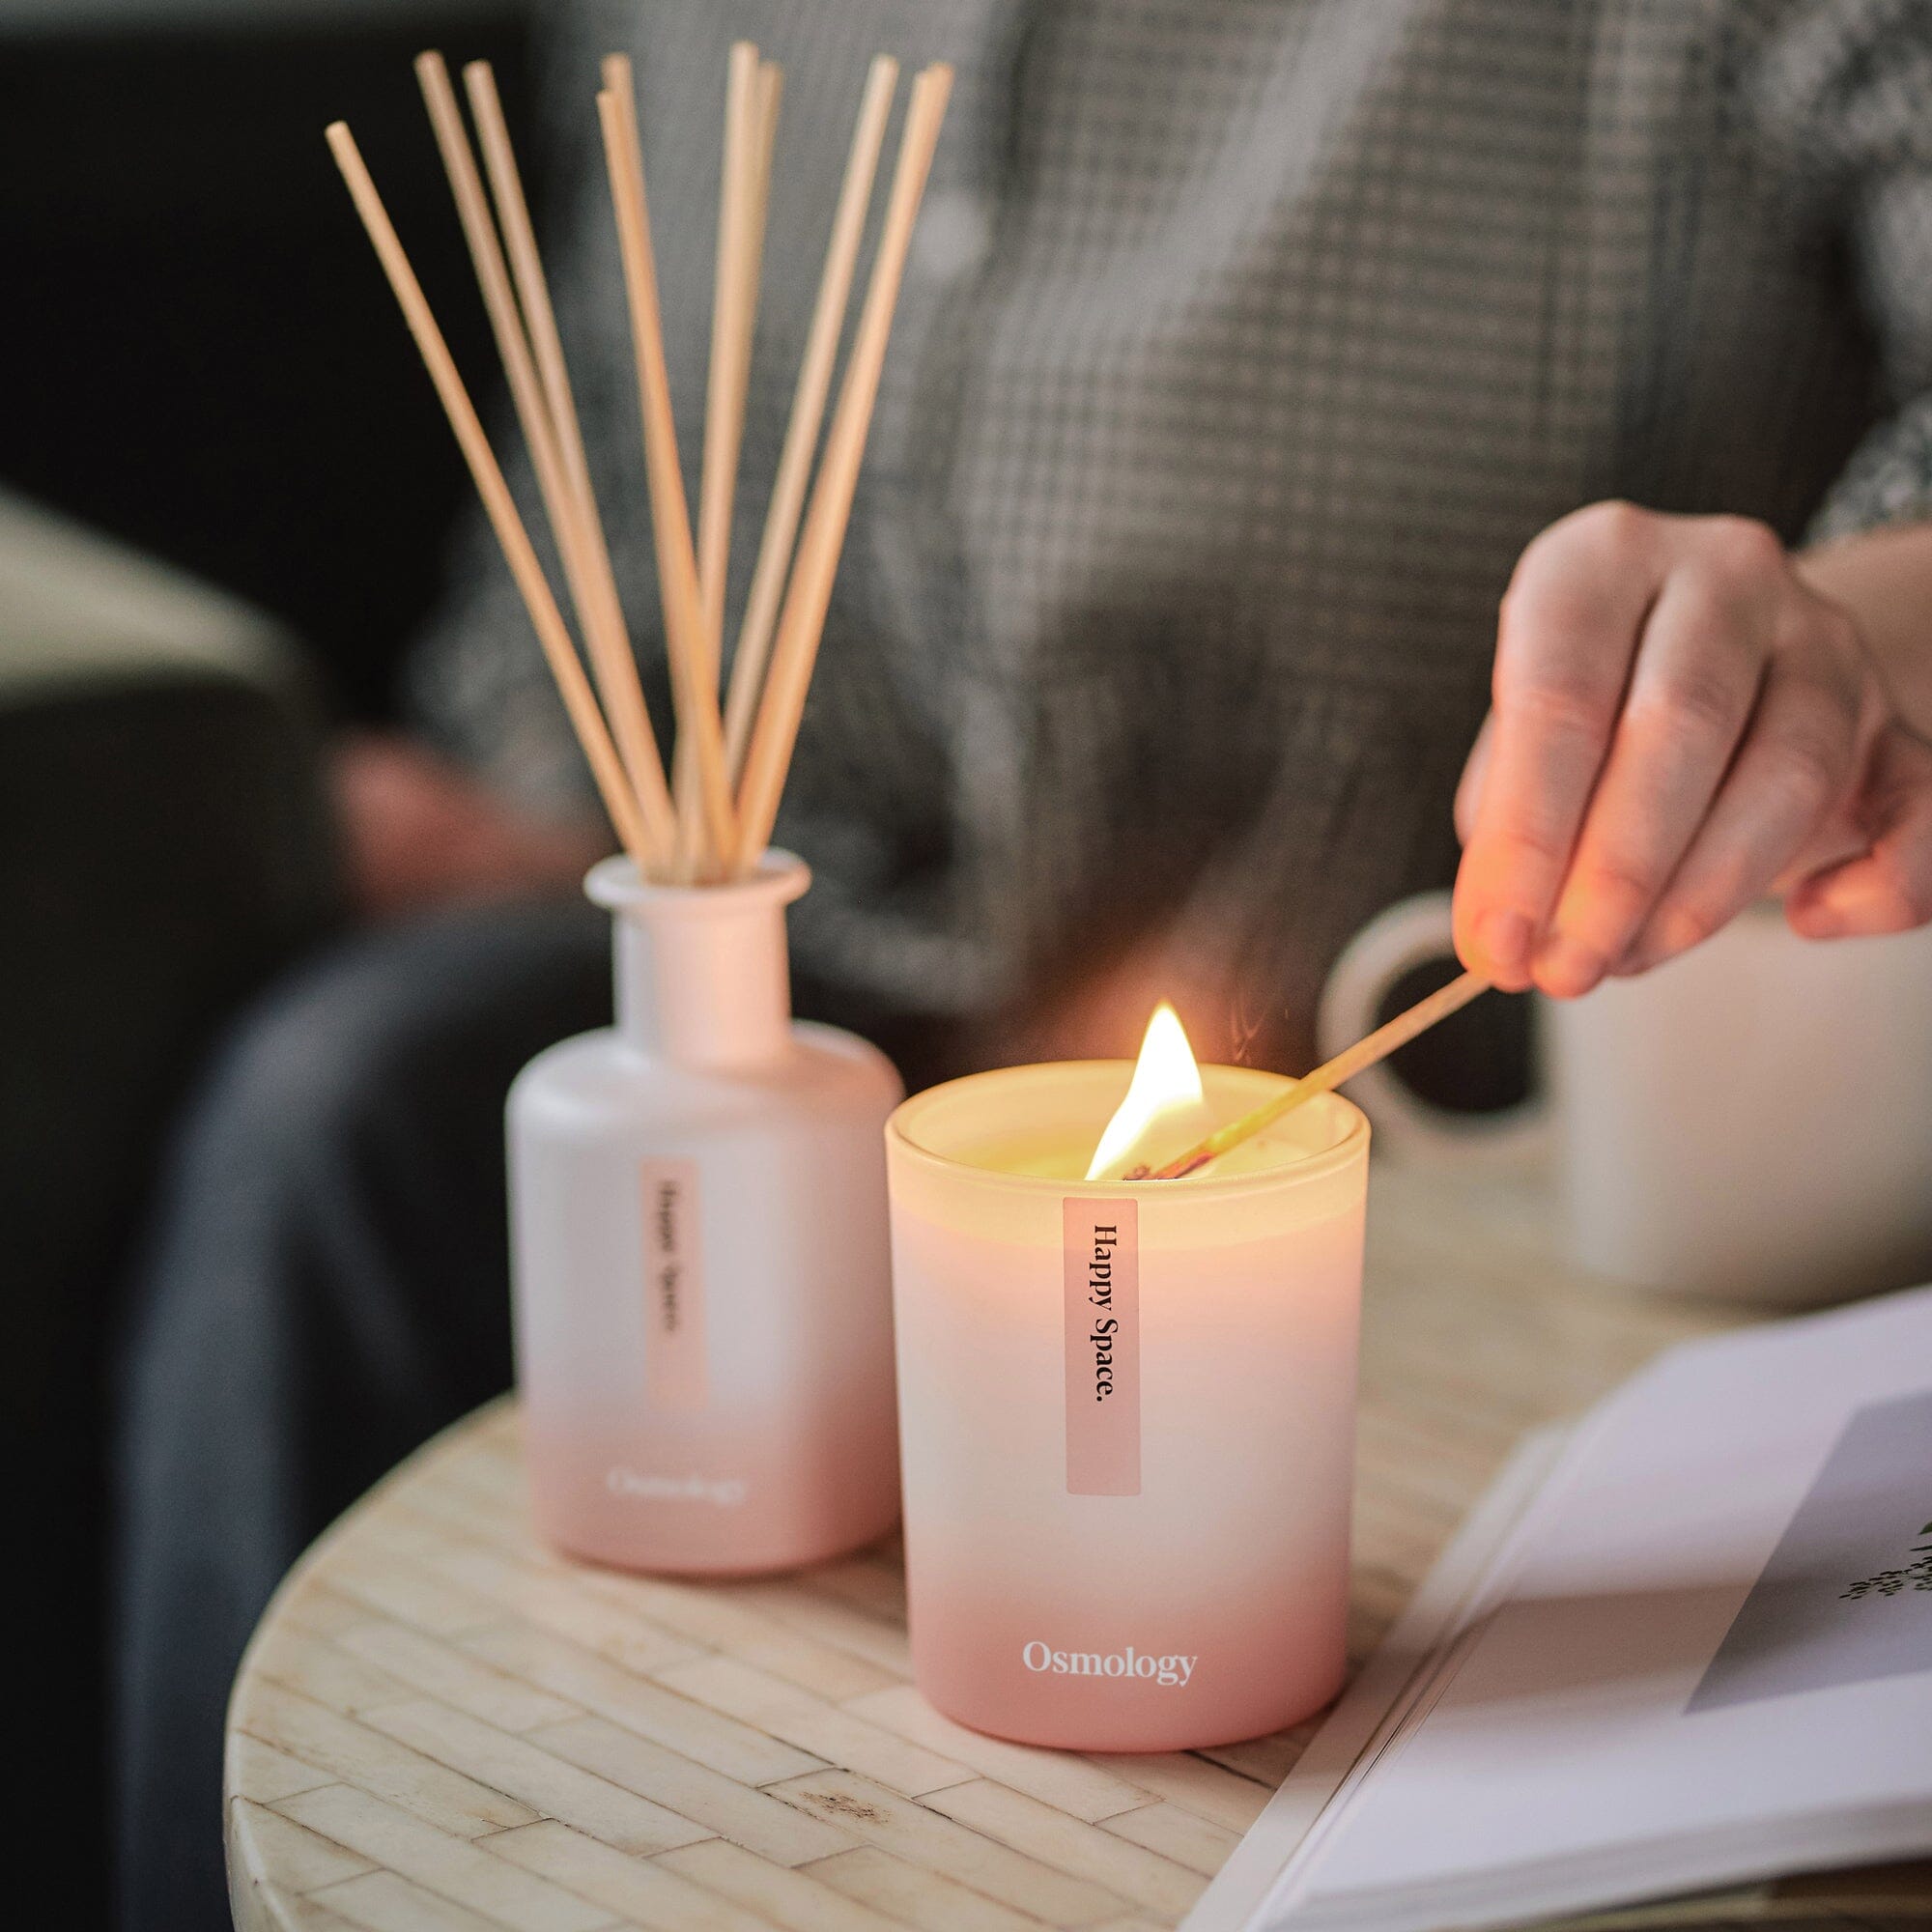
[{"x": 323, "y": 1287}]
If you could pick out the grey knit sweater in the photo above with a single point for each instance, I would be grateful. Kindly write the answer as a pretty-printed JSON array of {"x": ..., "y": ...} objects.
[{"x": 1244, "y": 345}]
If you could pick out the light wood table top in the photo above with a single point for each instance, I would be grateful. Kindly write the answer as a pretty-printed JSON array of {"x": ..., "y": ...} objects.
[{"x": 440, "y": 1725}]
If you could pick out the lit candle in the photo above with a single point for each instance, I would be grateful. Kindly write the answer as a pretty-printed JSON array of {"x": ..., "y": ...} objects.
[{"x": 1126, "y": 1408}]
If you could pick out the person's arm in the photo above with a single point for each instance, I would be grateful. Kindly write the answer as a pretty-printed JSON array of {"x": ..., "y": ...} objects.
[{"x": 1883, "y": 578}]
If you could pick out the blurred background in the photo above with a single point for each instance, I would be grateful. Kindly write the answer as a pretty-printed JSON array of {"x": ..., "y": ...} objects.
[
  {"x": 191, "y": 291},
  {"x": 209, "y": 394}
]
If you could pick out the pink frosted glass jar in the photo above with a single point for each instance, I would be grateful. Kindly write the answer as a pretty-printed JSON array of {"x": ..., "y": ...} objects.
[{"x": 1126, "y": 1412}]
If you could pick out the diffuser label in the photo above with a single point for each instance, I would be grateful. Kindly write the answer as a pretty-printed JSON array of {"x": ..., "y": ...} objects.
[
  {"x": 673, "y": 1286},
  {"x": 1101, "y": 1269}
]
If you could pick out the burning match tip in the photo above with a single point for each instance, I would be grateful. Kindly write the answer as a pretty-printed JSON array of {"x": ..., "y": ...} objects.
[{"x": 1172, "y": 1171}]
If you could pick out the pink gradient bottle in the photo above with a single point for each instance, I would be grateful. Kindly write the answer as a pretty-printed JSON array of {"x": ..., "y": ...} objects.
[
  {"x": 703, "y": 1306},
  {"x": 1127, "y": 1413}
]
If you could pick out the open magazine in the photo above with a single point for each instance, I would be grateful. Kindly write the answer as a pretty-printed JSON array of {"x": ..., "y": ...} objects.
[{"x": 1685, "y": 1645}]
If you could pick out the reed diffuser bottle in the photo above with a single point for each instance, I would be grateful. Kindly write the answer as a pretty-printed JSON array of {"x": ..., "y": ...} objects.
[{"x": 698, "y": 1211}]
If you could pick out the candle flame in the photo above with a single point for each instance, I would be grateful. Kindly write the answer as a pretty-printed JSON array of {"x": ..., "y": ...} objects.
[{"x": 1164, "y": 1098}]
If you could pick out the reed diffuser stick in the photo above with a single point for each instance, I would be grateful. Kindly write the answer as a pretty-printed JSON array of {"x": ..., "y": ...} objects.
[
  {"x": 795, "y": 647},
  {"x": 1331, "y": 1073},
  {"x": 766, "y": 98},
  {"x": 695, "y": 692},
  {"x": 730, "y": 335},
  {"x": 553, "y": 633},
  {"x": 807, "y": 413},
  {"x": 513, "y": 213},
  {"x": 734, "y": 277},
  {"x": 771, "y": 97},
  {"x": 629, "y": 718},
  {"x": 572, "y": 513},
  {"x": 487, "y": 257}
]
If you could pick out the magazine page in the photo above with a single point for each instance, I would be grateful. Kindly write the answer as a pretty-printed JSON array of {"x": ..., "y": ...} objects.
[{"x": 1707, "y": 1656}]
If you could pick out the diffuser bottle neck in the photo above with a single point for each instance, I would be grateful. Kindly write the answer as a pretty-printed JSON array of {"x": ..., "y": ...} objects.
[{"x": 703, "y": 975}]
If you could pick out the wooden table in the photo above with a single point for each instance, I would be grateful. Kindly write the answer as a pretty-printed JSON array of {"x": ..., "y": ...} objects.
[{"x": 441, "y": 1726}]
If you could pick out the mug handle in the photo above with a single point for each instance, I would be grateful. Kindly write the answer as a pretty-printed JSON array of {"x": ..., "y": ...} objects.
[{"x": 1410, "y": 934}]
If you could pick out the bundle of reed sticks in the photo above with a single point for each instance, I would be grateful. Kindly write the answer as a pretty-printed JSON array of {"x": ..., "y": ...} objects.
[{"x": 707, "y": 817}]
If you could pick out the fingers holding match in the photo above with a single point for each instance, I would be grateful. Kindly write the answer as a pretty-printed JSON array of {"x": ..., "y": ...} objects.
[
  {"x": 1567, "y": 635},
  {"x": 1680, "y": 723}
]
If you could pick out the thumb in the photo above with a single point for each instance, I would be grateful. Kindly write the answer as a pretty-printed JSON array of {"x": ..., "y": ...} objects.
[{"x": 1888, "y": 887}]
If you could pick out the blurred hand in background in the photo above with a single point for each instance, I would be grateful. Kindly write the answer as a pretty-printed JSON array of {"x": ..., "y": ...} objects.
[{"x": 419, "y": 832}]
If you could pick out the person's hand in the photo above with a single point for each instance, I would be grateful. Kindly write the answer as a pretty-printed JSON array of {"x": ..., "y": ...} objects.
[
  {"x": 1679, "y": 724},
  {"x": 417, "y": 833}
]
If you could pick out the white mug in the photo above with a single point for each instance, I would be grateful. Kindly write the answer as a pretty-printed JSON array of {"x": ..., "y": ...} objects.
[{"x": 1752, "y": 1121}]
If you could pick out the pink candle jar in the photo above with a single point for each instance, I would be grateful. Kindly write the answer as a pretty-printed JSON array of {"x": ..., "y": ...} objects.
[{"x": 1126, "y": 1412}]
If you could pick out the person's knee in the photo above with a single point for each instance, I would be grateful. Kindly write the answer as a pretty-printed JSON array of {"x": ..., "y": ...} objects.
[
  {"x": 293, "y": 1086},
  {"x": 331, "y": 1232}
]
